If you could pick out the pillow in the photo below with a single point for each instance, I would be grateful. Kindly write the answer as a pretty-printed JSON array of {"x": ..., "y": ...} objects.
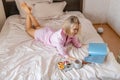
[
  {"x": 30, "y": 3},
  {"x": 48, "y": 10}
]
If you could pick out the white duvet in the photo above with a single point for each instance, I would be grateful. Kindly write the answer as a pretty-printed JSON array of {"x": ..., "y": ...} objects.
[{"x": 23, "y": 58}]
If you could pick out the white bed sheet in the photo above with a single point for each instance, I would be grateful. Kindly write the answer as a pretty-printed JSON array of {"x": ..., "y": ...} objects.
[{"x": 22, "y": 58}]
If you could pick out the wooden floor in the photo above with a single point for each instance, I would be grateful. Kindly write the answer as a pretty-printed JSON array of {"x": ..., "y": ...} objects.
[{"x": 111, "y": 38}]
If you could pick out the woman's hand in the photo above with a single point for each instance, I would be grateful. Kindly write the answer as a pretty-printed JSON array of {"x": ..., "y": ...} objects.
[
  {"x": 71, "y": 58},
  {"x": 84, "y": 44}
]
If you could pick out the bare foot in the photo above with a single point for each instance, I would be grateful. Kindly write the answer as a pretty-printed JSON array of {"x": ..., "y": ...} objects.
[{"x": 26, "y": 8}]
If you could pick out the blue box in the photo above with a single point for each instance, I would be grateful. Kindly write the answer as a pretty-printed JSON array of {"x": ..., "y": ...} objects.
[{"x": 97, "y": 52}]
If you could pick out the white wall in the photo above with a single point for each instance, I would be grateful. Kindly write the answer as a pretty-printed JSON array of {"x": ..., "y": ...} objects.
[
  {"x": 2, "y": 14},
  {"x": 96, "y": 10},
  {"x": 113, "y": 17}
]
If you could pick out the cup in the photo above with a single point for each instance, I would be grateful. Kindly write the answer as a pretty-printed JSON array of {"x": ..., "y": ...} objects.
[
  {"x": 77, "y": 64},
  {"x": 100, "y": 30}
]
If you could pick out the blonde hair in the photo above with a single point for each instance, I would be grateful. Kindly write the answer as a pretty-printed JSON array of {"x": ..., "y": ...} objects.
[{"x": 69, "y": 22}]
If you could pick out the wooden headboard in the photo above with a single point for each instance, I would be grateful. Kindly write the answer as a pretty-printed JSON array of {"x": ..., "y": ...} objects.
[{"x": 72, "y": 5}]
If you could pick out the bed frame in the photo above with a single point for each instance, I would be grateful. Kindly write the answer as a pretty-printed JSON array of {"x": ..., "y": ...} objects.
[{"x": 72, "y": 5}]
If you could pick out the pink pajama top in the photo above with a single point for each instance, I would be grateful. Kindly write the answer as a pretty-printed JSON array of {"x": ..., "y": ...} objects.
[{"x": 57, "y": 39}]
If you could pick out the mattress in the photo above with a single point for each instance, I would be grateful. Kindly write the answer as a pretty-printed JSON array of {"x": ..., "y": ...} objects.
[{"x": 23, "y": 58}]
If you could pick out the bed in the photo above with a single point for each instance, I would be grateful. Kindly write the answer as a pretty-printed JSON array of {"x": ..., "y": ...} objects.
[{"x": 23, "y": 58}]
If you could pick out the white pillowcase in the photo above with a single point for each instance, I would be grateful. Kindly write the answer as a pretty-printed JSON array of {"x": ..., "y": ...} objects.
[
  {"x": 48, "y": 10},
  {"x": 30, "y": 3}
]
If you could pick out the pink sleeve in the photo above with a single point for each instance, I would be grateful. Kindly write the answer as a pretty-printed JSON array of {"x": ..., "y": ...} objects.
[
  {"x": 59, "y": 39},
  {"x": 62, "y": 50},
  {"x": 76, "y": 42}
]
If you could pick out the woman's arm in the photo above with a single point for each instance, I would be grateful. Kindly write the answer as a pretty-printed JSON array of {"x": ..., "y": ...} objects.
[
  {"x": 64, "y": 52},
  {"x": 76, "y": 42}
]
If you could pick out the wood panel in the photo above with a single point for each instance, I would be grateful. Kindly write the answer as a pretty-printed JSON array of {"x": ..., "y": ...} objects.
[
  {"x": 10, "y": 8},
  {"x": 73, "y": 5}
]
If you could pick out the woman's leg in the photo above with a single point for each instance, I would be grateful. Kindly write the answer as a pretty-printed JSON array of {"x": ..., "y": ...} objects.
[
  {"x": 35, "y": 22},
  {"x": 27, "y": 9},
  {"x": 29, "y": 27}
]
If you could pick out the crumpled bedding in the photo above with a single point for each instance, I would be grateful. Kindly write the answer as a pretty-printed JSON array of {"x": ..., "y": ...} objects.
[{"x": 23, "y": 58}]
